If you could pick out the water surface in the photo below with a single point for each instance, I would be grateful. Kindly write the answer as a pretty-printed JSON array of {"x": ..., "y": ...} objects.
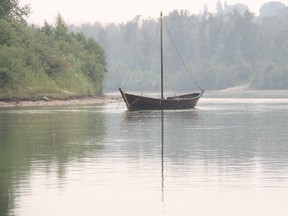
[{"x": 227, "y": 157}]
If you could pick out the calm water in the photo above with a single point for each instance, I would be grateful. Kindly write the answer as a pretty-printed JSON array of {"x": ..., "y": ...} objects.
[{"x": 228, "y": 157}]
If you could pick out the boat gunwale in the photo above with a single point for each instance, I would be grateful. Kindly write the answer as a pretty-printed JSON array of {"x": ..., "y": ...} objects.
[{"x": 177, "y": 97}]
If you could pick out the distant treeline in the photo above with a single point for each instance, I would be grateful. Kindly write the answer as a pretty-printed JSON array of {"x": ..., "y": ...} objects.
[
  {"x": 47, "y": 61},
  {"x": 228, "y": 48}
]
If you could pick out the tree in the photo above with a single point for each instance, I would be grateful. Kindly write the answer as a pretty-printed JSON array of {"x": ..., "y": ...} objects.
[
  {"x": 47, "y": 29},
  {"x": 220, "y": 50},
  {"x": 61, "y": 28},
  {"x": 272, "y": 9},
  {"x": 12, "y": 9},
  {"x": 219, "y": 7},
  {"x": 49, "y": 60}
]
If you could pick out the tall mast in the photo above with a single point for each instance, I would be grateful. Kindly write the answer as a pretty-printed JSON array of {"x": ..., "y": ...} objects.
[{"x": 161, "y": 55}]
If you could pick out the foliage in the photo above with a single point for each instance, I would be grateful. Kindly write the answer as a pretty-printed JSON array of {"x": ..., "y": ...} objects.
[
  {"x": 11, "y": 8},
  {"x": 231, "y": 47},
  {"x": 48, "y": 61}
]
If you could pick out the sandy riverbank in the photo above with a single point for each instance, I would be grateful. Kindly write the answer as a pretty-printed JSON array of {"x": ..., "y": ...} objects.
[{"x": 60, "y": 102}]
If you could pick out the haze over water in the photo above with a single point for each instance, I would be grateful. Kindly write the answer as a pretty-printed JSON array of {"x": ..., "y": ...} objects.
[{"x": 227, "y": 157}]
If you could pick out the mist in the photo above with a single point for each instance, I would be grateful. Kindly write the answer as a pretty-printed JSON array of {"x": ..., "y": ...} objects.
[{"x": 232, "y": 47}]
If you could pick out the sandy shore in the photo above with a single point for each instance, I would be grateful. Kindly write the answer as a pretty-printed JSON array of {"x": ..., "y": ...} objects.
[{"x": 56, "y": 102}]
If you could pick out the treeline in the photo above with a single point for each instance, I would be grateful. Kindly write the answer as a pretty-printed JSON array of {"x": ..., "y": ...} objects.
[
  {"x": 48, "y": 61},
  {"x": 225, "y": 49}
]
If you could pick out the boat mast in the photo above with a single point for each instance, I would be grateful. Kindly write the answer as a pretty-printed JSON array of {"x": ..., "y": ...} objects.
[{"x": 161, "y": 55}]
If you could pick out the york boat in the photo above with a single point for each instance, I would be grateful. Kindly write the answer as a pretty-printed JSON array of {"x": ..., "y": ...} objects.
[{"x": 139, "y": 102}]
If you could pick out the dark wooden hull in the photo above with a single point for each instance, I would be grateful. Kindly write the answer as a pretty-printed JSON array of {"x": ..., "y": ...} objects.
[{"x": 136, "y": 102}]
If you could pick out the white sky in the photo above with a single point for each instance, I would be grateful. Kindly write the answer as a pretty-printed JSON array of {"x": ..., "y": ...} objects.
[{"x": 118, "y": 11}]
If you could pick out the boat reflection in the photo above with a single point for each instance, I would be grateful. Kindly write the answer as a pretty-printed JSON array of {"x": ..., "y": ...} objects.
[{"x": 158, "y": 119}]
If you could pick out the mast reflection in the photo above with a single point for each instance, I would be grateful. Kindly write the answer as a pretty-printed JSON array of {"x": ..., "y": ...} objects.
[{"x": 162, "y": 155}]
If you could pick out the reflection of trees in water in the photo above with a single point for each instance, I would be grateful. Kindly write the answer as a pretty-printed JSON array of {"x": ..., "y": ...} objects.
[
  {"x": 153, "y": 129},
  {"x": 141, "y": 129},
  {"x": 223, "y": 141},
  {"x": 232, "y": 139},
  {"x": 43, "y": 138}
]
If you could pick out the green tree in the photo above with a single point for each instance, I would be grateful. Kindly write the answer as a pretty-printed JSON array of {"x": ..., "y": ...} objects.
[
  {"x": 61, "y": 28},
  {"x": 12, "y": 9},
  {"x": 223, "y": 49},
  {"x": 8, "y": 35},
  {"x": 48, "y": 61},
  {"x": 47, "y": 29}
]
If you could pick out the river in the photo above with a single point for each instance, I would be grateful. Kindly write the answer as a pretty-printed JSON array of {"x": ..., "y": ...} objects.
[{"x": 227, "y": 157}]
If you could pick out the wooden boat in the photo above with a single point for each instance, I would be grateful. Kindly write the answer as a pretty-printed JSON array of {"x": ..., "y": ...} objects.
[{"x": 139, "y": 102}]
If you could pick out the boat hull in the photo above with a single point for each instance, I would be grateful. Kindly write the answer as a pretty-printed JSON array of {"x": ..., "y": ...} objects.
[{"x": 136, "y": 102}]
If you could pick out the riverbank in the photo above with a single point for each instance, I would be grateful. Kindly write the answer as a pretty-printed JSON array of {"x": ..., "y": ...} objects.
[{"x": 60, "y": 102}]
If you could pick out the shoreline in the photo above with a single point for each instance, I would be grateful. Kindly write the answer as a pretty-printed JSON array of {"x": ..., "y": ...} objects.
[{"x": 60, "y": 102}]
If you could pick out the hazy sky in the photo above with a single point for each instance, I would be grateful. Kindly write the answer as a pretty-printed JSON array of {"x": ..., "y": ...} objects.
[{"x": 106, "y": 11}]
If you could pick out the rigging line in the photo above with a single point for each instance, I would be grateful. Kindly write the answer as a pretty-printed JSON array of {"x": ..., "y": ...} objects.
[
  {"x": 148, "y": 67},
  {"x": 177, "y": 50},
  {"x": 153, "y": 50}
]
